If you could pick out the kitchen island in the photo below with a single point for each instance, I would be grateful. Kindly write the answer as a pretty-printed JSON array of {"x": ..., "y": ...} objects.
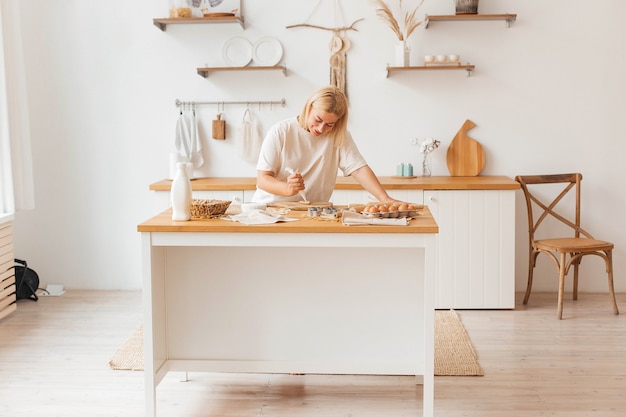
[{"x": 310, "y": 296}]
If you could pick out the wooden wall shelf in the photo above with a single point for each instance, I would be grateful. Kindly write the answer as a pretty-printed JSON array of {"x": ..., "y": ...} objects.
[
  {"x": 507, "y": 17},
  {"x": 204, "y": 72},
  {"x": 163, "y": 22},
  {"x": 469, "y": 68}
]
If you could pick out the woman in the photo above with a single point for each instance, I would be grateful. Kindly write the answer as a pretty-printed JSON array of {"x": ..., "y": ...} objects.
[{"x": 300, "y": 156}]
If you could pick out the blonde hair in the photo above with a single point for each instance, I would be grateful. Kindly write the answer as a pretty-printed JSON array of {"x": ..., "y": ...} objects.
[{"x": 331, "y": 100}]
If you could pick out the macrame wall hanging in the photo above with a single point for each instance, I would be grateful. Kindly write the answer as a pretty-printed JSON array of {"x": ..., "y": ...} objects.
[{"x": 339, "y": 43}]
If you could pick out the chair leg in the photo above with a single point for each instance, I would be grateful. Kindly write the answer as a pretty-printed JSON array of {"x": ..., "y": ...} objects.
[
  {"x": 531, "y": 266},
  {"x": 575, "y": 287},
  {"x": 561, "y": 286},
  {"x": 609, "y": 270}
]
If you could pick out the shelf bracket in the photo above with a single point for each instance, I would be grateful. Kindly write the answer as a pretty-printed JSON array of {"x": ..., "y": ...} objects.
[
  {"x": 160, "y": 25},
  {"x": 469, "y": 71},
  {"x": 510, "y": 20}
]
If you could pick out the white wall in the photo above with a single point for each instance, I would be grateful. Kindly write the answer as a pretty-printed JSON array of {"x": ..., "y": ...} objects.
[{"x": 548, "y": 95}]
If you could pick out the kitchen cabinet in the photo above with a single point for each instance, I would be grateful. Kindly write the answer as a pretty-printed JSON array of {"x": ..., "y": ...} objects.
[
  {"x": 476, "y": 248},
  {"x": 476, "y": 217},
  {"x": 7, "y": 273}
]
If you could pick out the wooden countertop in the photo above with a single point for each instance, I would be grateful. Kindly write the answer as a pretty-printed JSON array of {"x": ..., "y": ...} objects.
[
  {"x": 422, "y": 223},
  {"x": 348, "y": 183}
]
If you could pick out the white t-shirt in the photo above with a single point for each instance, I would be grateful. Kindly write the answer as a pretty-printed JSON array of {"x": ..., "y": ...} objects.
[{"x": 287, "y": 145}]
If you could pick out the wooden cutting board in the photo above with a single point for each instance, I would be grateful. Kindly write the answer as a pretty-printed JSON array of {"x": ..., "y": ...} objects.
[
  {"x": 299, "y": 205},
  {"x": 466, "y": 157}
]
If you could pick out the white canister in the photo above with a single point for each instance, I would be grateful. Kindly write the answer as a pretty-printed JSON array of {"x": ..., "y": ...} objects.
[{"x": 181, "y": 194}]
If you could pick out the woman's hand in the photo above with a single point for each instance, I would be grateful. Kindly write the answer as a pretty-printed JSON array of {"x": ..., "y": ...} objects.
[
  {"x": 285, "y": 188},
  {"x": 295, "y": 183}
]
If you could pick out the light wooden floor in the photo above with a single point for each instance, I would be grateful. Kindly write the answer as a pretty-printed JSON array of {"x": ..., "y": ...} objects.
[{"x": 54, "y": 362}]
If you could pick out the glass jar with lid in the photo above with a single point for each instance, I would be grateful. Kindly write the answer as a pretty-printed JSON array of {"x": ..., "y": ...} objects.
[{"x": 180, "y": 9}]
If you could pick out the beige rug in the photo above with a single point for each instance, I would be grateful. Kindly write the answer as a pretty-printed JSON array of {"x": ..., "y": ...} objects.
[
  {"x": 130, "y": 356},
  {"x": 454, "y": 353}
]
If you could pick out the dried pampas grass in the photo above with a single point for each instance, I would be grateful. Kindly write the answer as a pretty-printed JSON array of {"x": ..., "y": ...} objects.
[{"x": 409, "y": 23}]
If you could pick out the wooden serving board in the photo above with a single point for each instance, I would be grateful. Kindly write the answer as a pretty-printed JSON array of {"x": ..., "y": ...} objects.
[
  {"x": 299, "y": 205},
  {"x": 466, "y": 157}
]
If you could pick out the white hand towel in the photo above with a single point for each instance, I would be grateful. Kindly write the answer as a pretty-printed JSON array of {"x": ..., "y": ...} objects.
[
  {"x": 250, "y": 137},
  {"x": 188, "y": 144}
]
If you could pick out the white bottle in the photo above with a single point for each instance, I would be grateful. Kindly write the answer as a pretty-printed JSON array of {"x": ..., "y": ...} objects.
[{"x": 181, "y": 194}]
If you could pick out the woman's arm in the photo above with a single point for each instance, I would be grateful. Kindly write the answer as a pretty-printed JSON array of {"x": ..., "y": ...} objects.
[
  {"x": 366, "y": 177},
  {"x": 266, "y": 181}
]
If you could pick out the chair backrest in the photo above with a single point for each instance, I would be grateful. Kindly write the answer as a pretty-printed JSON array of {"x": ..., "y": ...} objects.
[{"x": 546, "y": 209}]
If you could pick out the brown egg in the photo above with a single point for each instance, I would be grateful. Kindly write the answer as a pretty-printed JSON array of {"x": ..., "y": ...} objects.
[
  {"x": 373, "y": 209},
  {"x": 383, "y": 209},
  {"x": 411, "y": 207},
  {"x": 393, "y": 207},
  {"x": 403, "y": 207}
]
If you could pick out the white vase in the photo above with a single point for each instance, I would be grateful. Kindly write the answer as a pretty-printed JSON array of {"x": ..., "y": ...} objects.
[
  {"x": 181, "y": 194},
  {"x": 403, "y": 54}
]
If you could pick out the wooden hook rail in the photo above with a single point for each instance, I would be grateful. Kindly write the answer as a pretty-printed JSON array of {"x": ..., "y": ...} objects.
[{"x": 222, "y": 103}]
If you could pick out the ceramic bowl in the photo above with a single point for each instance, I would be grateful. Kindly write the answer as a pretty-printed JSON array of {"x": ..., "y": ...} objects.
[
  {"x": 453, "y": 57},
  {"x": 429, "y": 58},
  {"x": 441, "y": 58}
]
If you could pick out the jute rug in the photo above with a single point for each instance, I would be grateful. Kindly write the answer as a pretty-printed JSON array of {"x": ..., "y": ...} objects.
[{"x": 454, "y": 353}]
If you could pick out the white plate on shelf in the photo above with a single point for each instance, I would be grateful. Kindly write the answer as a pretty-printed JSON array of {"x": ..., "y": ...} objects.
[
  {"x": 267, "y": 51},
  {"x": 237, "y": 52}
]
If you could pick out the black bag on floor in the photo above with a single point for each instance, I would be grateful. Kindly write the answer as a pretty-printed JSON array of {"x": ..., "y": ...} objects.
[{"x": 26, "y": 281}]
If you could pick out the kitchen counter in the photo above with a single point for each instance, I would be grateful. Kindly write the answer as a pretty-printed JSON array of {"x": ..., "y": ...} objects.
[
  {"x": 422, "y": 223},
  {"x": 348, "y": 183},
  {"x": 312, "y": 296},
  {"x": 476, "y": 218}
]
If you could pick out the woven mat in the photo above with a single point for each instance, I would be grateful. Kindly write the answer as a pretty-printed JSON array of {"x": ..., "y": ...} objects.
[
  {"x": 130, "y": 356},
  {"x": 454, "y": 353}
]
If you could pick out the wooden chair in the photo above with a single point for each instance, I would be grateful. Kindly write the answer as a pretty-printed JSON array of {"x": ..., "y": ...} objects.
[{"x": 564, "y": 251}]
